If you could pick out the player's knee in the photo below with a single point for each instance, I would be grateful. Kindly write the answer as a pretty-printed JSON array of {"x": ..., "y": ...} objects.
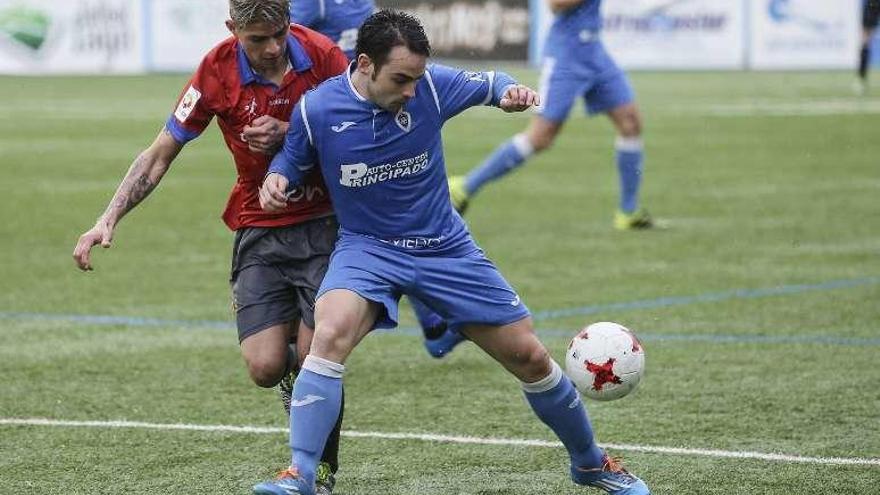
[
  {"x": 332, "y": 338},
  {"x": 532, "y": 362},
  {"x": 631, "y": 125},
  {"x": 264, "y": 371},
  {"x": 541, "y": 141}
]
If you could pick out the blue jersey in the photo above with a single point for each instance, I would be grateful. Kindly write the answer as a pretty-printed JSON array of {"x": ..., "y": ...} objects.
[
  {"x": 573, "y": 27},
  {"x": 385, "y": 171},
  {"x": 338, "y": 20}
]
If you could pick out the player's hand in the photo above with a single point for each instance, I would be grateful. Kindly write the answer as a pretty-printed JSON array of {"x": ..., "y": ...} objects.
[
  {"x": 265, "y": 134},
  {"x": 518, "y": 98},
  {"x": 101, "y": 233},
  {"x": 273, "y": 194}
]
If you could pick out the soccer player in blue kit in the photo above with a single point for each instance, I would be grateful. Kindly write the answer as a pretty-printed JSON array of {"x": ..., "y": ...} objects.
[
  {"x": 339, "y": 20},
  {"x": 374, "y": 132},
  {"x": 575, "y": 64}
]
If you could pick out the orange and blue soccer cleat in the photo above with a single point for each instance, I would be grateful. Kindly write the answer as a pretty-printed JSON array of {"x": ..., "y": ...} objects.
[
  {"x": 288, "y": 482},
  {"x": 611, "y": 477}
]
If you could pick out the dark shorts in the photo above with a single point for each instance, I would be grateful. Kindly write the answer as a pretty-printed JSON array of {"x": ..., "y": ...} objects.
[
  {"x": 276, "y": 273},
  {"x": 871, "y": 14}
]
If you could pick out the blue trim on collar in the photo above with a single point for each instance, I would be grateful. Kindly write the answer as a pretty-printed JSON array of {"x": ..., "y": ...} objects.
[{"x": 299, "y": 60}]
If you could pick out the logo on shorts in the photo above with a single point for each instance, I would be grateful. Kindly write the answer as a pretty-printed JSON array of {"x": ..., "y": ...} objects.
[
  {"x": 515, "y": 301},
  {"x": 309, "y": 399}
]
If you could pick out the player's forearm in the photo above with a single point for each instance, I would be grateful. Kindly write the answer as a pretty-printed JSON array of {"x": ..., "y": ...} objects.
[{"x": 143, "y": 176}]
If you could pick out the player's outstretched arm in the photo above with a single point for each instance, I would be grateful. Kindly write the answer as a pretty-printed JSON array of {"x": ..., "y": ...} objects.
[
  {"x": 518, "y": 98},
  {"x": 142, "y": 177}
]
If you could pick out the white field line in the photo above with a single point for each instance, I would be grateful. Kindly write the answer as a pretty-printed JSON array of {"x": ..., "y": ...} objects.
[{"x": 449, "y": 439}]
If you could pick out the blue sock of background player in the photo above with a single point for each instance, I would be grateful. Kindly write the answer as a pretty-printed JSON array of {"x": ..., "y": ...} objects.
[
  {"x": 440, "y": 338},
  {"x": 514, "y": 152}
]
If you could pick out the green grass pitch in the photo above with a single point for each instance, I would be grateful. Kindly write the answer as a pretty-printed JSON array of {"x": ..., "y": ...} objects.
[{"x": 758, "y": 306}]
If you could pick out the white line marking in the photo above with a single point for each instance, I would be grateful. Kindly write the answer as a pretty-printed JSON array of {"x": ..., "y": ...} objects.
[{"x": 448, "y": 439}]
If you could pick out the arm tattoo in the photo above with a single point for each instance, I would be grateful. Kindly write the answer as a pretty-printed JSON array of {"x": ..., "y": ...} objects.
[{"x": 136, "y": 186}]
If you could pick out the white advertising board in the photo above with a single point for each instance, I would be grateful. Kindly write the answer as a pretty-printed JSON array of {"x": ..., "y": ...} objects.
[
  {"x": 804, "y": 34},
  {"x": 182, "y": 32},
  {"x": 73, "y": 36},
  {"x": 663, "y": 34},
  {"x": 685, "y": 34}
]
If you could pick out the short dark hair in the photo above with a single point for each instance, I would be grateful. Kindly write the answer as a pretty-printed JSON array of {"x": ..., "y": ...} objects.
[{"x": 386, "y": 29}]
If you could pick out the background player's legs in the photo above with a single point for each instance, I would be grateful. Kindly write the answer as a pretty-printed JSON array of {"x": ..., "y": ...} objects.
[
  {"x": 865, "y": 56},
  {"x": 560, "y": 86},
  {"x": 870, "y": 19},
  {"x": 342, "y": 318},
  {"x": 549, "y": 392},
  {"x": 629, "y": 154},
  {"x": 510, "y": 155}
]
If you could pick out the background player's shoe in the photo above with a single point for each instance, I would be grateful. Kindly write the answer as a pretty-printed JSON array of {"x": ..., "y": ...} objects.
[
  {"x": 637, "y": 220},
  {"x": 324, "y": 480},
  {"x": 288, "y": 482},
  {"x": 611, "y": 477},
  {"x": 285, "y": 389},
  {"x": 443, "y": 345},
  {"x": 458, "y": 193},
  {"x": 860, "y": 87}
]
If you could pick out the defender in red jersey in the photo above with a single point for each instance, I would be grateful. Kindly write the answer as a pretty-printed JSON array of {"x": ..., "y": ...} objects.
[{"x": 250, "y": 83}]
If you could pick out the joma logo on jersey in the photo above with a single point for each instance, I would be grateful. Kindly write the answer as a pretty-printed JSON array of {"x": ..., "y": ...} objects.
[{"x": 361, "y": 175}]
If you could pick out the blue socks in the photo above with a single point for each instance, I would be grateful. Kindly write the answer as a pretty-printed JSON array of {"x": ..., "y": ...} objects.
[
  {"x": 556, "y": 402},
  {"x": 502, "y": 161},
  {"x": 629, "y": 167},
  {"x": 316, "y": 401}
]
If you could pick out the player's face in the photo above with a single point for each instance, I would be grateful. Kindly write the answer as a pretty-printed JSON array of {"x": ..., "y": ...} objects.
[
  {"x": 264, "y": 44},
  {"x": 395, "y": 82}
]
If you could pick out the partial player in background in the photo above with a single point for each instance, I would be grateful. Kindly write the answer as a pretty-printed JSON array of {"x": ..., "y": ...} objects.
[
  {"x": 375, "y": 134},
  {"x": 338, "y": 20},
  {"x": 870, "y": 19},
  {"x": 575, "y": 65},
  {"x": 250, "y": 82}
]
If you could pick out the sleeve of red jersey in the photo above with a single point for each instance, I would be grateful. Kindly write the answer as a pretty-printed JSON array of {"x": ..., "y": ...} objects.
[{"x": 193, "y": 111}]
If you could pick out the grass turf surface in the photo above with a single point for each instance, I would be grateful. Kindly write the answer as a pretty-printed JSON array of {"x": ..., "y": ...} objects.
[{"x": 766, "y": 180}]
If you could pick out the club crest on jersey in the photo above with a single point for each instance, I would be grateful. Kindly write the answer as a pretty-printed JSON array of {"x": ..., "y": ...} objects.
[
  {"x": 187, "y": 103},
  {"x": 404, "y": 120}
]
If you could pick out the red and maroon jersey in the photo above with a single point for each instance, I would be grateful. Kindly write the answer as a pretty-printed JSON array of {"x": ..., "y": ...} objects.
[{"x": 227, "y": 87}]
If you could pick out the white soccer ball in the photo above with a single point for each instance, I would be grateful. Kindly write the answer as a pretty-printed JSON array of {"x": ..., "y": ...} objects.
[{"x": 605, "y": 361}]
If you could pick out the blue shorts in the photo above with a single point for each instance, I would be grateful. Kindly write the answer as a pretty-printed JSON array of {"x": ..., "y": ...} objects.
[
  {"x": 597, "y": 78},
  {"x": 464, "y": 290}
]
